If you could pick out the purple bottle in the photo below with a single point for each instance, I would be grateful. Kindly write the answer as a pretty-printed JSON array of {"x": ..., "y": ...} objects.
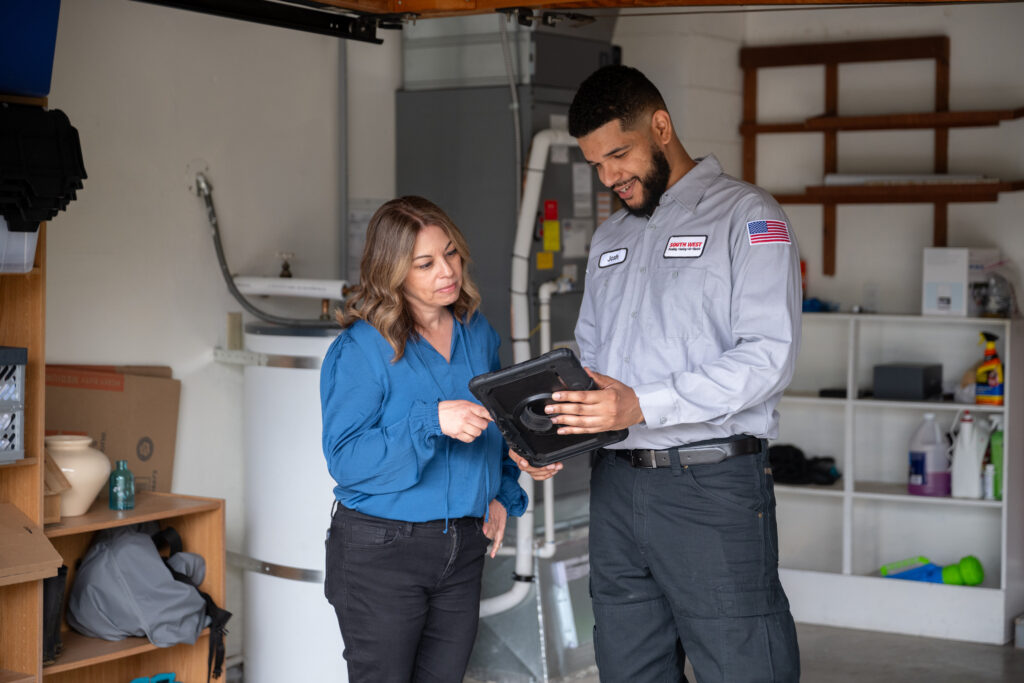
[{"x": 929, "y": 460}]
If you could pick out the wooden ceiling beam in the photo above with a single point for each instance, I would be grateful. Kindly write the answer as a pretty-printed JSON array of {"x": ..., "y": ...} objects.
[{"x": 440, "y": 8}]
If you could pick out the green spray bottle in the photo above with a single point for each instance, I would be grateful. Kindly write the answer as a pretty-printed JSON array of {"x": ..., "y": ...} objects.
[{"x": 995, "y": 450}]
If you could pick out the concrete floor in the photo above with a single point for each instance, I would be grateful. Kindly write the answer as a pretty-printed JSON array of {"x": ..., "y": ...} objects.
[{"x": 837, "y": 655}]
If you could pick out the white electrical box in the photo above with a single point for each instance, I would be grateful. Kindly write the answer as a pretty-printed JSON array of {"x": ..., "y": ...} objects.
[{"x": 952, "y": 278}]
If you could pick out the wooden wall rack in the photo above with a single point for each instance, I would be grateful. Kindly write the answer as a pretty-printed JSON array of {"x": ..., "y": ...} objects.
[{"x": 830, "y": 124}]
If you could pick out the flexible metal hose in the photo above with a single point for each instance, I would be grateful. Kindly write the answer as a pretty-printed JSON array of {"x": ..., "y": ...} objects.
[{"x": 205, "y": 190}]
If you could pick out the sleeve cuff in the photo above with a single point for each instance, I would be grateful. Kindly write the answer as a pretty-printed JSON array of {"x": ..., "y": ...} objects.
[
  {"x": 515, "y": 507},
  {"x": 658, "y": 404},
  {"x": 423, "y": 417}
]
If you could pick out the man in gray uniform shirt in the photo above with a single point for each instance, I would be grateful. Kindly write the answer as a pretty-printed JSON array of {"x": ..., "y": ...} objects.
[{"x": 690, "y": 326}]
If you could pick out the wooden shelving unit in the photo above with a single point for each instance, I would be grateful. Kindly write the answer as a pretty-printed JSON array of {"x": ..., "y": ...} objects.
[
  {"x": 22, "y": 324},
  {"x": 830, "y": 124},
  {"x": 200, "y": 521},
  {"x": 31, "y": 552}
]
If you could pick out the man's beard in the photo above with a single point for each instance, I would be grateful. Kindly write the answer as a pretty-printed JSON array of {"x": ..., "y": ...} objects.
[{"x": 653, "y": 184}]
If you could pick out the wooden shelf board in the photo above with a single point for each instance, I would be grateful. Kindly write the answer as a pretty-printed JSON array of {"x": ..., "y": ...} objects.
[
  {"x": 149, "y": 506},
  {"x": 897, "y": 492},
  {"x": 922, "y": 120},
  {"x": 29, "y": 460},
  {"x": 941, "y": 119},
  {"x": 7, "y": 676},
  {"x": 82, "y": 651},
  {"x": 35, "y": 272},
  {"x": 901, "y": 194},
  {"x": 25, "y": 553}
]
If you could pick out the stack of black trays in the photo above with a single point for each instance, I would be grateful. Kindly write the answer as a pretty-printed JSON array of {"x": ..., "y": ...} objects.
[{"x": 40, "y": 165}]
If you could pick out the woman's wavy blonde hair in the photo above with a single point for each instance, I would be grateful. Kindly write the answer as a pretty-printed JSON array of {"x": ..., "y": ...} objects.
[{"x": 387, "y": 257}]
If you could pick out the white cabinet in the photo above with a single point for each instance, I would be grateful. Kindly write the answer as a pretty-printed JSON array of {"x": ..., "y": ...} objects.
[{"x": 834, "y": 539}]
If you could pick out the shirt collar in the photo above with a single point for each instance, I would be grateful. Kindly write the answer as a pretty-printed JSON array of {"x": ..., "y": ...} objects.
[{"x": 688, "y": 190}]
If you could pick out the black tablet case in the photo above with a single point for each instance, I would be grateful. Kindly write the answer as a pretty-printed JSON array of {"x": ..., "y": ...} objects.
[{"x": 516, "y": 396}]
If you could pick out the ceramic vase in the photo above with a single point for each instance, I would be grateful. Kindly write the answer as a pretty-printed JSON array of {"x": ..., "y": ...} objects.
[{"x": 85, "y": 468}]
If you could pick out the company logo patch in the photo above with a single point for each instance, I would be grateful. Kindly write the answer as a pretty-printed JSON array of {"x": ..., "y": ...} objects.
[
  {"x": 612, "y": 258},
  {"x": 685, "y": 246}
]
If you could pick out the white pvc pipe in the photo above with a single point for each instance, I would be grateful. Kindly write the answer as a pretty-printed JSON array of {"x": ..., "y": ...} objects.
[
  {"x": 544, "y": 294},
  {"x": 542, "y": 143}
]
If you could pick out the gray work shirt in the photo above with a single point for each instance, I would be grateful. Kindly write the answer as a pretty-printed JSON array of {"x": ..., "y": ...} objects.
[{"x": 697, "y": 309}]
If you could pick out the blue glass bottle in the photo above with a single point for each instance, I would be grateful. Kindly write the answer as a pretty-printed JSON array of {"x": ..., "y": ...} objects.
[{"x": 122, "y": 487}]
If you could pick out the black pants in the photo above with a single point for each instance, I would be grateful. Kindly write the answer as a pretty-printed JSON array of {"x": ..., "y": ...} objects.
[
  {"x": 684, "y": 565},
  {"x": 407, "y": 595}
]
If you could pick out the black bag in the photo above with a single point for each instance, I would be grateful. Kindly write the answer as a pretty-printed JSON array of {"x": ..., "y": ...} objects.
[
  {"x": 124, "y": 588},
  {"x": 791, "y": 466}
]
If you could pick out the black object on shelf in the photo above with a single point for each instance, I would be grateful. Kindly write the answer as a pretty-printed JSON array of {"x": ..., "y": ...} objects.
[
  {"x": 53, "y": 600},
  {"x": 517, "y": 395},
  {"x": 791, "y": 466},
  {"x": 908, "y": 381},
  {"x": 840, "y": 392},
  {"x": 41, "y": 165}
]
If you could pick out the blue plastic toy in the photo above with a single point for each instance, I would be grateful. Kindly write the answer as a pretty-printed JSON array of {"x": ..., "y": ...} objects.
[{"x": 967, "y": 572}]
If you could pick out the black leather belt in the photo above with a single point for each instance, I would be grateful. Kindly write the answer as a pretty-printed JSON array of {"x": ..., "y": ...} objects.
[{"x": 701, "y": 453}]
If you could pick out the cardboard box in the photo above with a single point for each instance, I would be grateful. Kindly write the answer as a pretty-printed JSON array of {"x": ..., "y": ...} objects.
[
  {"x": 131, "y": 412},
  {"x": 953, "y": 280}
]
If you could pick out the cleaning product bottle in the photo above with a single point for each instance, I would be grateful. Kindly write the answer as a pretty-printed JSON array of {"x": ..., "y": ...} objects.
[
  {"x": 929, "y": 460},
  {"x": 968, "y": 450},
  {"x": 995, "y": 447},
  {"x": 988, "y": 388}
]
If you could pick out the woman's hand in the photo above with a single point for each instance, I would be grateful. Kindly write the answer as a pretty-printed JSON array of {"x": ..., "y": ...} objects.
[
  {"x": 462, "y": 420},
  {"x": 494, "y": 527},
  {"x": 538, "y": 473}
]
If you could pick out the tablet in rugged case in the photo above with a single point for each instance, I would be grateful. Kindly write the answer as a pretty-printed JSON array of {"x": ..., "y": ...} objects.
[{"x": 516, "y": 397}]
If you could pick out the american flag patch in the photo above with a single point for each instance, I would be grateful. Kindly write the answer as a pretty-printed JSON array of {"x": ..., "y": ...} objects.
[{"x": 768, "y": 232}]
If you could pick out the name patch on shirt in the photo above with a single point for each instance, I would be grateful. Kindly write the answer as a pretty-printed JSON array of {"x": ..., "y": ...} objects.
[
  {"x": 612, "y": 258},
  {"x": 685, "y": 246},
  {"x": 768, "y": 232}
]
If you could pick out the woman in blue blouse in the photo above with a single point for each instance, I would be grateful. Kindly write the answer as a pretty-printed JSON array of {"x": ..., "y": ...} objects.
[{"x": 424, "y": 481}]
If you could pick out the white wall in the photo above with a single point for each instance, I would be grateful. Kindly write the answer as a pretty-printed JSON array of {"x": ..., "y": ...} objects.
[
  {"x": 694, "y": 61},
  {"x": 132, "y": 276},
  {"x": 693, "y": 58}
]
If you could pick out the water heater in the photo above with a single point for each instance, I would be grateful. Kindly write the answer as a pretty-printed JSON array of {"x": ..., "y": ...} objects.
[{"x": 291, "y": 632}]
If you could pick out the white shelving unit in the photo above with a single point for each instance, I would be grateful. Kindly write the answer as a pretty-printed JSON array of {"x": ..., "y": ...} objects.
[{"x": 834, "y": 539}]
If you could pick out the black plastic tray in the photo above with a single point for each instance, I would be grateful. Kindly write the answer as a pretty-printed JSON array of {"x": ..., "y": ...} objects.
[{"x": 516, "y": 397}]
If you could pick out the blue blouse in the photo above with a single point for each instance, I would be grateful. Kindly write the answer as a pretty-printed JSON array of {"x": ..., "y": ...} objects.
[{"x": 381, "y": 436}]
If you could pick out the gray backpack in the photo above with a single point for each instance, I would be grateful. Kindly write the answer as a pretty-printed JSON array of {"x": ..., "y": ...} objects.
[{"x": 123, "y": 587}]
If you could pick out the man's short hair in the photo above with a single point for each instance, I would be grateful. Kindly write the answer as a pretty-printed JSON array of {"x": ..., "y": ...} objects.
[{"x": 612, "y": 92}]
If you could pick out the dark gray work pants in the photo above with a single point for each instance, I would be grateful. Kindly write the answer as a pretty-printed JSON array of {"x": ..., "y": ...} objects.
[
  {"x": 684, "y": 564},
  {"x": 407, "y": 595}
]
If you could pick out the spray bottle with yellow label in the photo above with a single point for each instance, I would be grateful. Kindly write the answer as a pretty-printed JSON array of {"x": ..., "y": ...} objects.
[{"x": 988, "y": 388}]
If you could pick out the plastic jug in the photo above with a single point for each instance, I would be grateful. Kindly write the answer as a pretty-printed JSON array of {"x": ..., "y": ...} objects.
[
  {"x": 929, "y": 460},
  {"x": 968, "y": 453}
]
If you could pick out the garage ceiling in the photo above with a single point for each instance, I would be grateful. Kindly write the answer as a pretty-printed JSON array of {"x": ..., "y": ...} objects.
[
  {"x": 360, "y": 19},
  {"x": 433, "y": 8}
]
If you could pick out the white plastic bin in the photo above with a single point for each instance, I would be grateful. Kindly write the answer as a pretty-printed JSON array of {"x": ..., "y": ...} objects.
[{"x": 17, "y": 249}]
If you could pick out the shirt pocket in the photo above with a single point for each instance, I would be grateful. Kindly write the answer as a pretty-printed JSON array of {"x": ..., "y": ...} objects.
[
  {"x": 677, "y": 301},
  {"x": 611, "y": 301}
]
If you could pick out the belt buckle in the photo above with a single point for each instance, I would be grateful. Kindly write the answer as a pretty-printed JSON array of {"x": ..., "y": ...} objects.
[{"x": 637, "y": 458}]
